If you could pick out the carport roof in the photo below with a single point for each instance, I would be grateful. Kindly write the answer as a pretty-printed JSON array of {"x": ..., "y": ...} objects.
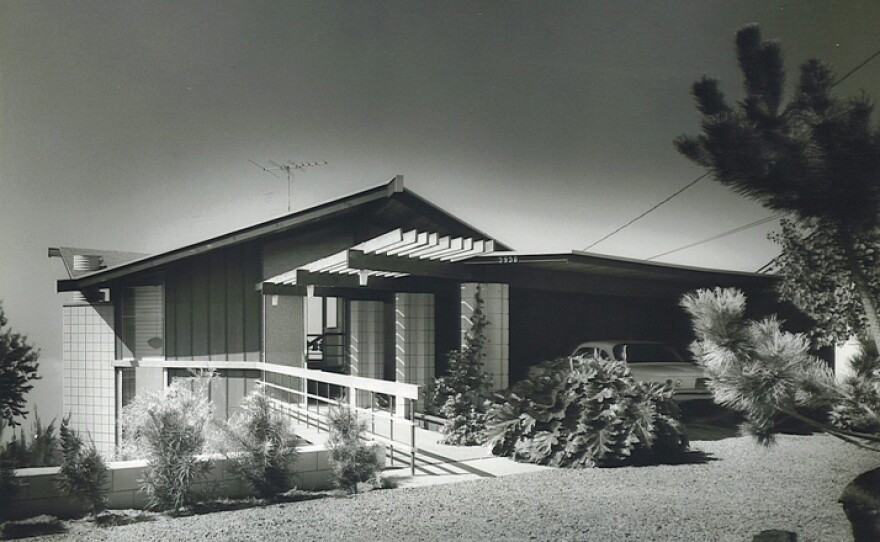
[{"x": 613, "y": 266}]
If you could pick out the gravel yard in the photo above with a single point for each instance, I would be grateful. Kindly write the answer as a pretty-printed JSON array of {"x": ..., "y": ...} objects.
[{"x": 741, "y": 490}]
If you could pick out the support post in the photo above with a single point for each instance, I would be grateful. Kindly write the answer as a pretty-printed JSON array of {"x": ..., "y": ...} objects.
[{"x": 412, "y": 440}]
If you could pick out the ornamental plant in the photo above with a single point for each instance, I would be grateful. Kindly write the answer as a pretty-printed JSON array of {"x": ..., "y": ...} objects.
[
  {"x": 586, "y": 412},
  {"x": 769, "y": 374},
  {"x": 18, "y": 366},
  {"x": 463, "y": 393},
  {"x": 261, "y": 446},
  {"x": 169, "y": 431},
  {"x": 83, "y": 472},
  {"x": 812, "y": 155},
  {"x": 352, "y": 459}
]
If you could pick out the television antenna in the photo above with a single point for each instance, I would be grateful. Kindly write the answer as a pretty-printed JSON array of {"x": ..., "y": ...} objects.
[{"x": 288, "y": 168}]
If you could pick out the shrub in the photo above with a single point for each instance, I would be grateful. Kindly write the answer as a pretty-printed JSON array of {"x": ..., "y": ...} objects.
[
  {"x": 262, "y": 446},
  {"x": 8, "y": 484},
  {"x": 352, "y": 459},
  {"x": 586, "y": 412},
  {"x": 462, "y": 395},
  {"x": 83, "y": 473},
  {"x": 43, "y": 449},
  {"x": 769, "y": 374},
  {"x": 169, "y": 431}
]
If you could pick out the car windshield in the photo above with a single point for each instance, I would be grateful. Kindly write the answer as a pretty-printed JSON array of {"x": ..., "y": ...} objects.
[{"x": 636, "y": 353}]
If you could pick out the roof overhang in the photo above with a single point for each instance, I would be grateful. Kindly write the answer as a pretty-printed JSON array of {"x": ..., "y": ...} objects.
[{"x": 612, "y": 266}]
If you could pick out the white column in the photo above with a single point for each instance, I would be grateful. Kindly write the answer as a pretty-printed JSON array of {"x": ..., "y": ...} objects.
[
  {"x": 366, "y": 351},
  {"x": 843, "y": 355},
  {"x": 414, "y": 338}
]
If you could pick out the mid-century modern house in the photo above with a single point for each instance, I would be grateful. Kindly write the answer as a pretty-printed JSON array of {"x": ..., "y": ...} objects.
[{"x": 376, "y": 287}]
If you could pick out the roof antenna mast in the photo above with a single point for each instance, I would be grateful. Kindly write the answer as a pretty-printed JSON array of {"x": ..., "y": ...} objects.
[{"x": 288, "y": 168}]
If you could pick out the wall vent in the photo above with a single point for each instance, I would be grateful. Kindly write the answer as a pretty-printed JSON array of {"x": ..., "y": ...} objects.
[{"x": 86, "y": 262}]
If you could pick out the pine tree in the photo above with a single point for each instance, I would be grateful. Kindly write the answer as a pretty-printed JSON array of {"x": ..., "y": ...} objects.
[
  {"x": 465, "y": 390},
  {"x": 767, "y": 373},
  {"x": 816, "y": 158}
]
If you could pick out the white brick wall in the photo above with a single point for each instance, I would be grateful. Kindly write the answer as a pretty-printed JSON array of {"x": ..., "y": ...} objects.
[
  {"x": 366, "y": 345},
  {"x": 89, "y": 379},
  {"x": 414, "y": 338}
]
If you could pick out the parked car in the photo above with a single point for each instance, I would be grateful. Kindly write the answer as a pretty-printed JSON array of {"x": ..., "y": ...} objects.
[{"x": 653, "y": 362}]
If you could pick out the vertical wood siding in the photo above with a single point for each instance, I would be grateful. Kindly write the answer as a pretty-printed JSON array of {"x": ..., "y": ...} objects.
[{"x": 213, "y": 309}]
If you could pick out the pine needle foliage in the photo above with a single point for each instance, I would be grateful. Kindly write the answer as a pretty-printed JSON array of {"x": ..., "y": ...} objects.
[
  {"x": 168, "y": 430},
  {"x": 352, "y": 459},
  {"x": 463, "y": 393},
  {"x": 83, "y": 474},
  {"x": 768, "y": 374},
  {"x": 586, "y": 412},
  {"x": 262, "y": 446},
  {"x": 816, "y": 157},
  {"x": 18, "y": 366}
]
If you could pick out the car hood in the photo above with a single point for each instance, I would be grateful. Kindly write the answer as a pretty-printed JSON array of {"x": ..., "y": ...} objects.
[{"x": 653, "y": 370}]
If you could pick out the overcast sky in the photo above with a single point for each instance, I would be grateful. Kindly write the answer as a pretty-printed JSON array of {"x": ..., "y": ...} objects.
[{"x": 130, "y": 125}]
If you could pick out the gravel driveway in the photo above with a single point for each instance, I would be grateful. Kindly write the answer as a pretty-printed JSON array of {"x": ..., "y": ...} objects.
[{"x": 741, "y": 490}]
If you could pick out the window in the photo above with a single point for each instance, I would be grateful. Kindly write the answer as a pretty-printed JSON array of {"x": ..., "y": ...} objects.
[
  {"x": 325, "y": 322},
  {"x": 143, "y": 320},
  {"x": 127, "y": 386}
]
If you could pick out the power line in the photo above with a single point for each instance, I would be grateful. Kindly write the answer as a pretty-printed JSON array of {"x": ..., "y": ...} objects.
[
  {"x": 719, "y": 236},
  {"x": 682, "y": 189},
  {"x": 690, "y": 184},
  {"x": 857, "y": 68}
]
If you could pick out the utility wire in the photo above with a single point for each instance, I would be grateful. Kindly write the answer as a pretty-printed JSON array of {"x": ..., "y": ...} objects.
[
  {"x": 767, "y": 266},
  {"x": 680, "y": 190},
  {"x": 690, "y": 184},
  {"x": 719, "y": 236},
  {"x": 857, "y": 68}
]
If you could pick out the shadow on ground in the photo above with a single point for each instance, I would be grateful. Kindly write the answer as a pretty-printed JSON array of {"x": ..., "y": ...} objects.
[
  {"x": 704, "y": 420},
  {"x": 38, "y": 526}
]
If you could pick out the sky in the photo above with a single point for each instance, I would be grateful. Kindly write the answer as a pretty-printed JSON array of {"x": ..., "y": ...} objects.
[{"x": 131, "y": 125}]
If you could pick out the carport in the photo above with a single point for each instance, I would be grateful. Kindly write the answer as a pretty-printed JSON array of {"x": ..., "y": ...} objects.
[{"x": 557, "y": 301}]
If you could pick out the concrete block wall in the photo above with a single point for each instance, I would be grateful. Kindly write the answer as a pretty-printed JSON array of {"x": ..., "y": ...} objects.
[
  {"x": 366, "y": 344},
  {"x": 39, "y": 493},
  {"x": 89, "y": 390},
  {"x": 497, "y": 309},
  {"x": 414, "y": 338}
]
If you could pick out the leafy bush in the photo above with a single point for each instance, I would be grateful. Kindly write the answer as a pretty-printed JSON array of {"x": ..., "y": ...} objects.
[
  {"x": 463, "y": 394},
  {"x": 352, "y": 459},
  {"x": 262, "y": 446},
  {"x": 169, "y": 430},
  {"x": 585, "y": 412},
  {"x": 83, "y": 473}
]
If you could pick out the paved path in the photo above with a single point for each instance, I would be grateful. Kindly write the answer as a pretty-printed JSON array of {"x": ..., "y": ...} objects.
[{"x": 437, "y": 463}]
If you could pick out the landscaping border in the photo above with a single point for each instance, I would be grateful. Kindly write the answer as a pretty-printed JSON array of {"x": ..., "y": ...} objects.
[{"x": 38, "y": 493}]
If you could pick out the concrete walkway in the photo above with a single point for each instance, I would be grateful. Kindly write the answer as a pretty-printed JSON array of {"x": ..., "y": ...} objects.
[{"x": 437, "y": 463}]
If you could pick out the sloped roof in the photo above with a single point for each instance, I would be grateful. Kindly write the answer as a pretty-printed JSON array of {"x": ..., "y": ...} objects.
[{"x": 389, "y": 202}]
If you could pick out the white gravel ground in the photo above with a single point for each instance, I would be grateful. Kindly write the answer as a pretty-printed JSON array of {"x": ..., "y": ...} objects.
[{"x": 744, "y": 489}]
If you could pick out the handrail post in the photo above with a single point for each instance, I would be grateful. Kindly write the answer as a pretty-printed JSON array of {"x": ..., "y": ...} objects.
[
  {"x": 412, "y": 441},
  {"x": 391, "y": 437}
]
